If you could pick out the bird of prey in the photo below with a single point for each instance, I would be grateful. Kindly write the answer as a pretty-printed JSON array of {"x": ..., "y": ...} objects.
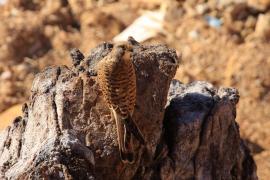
[{"x": 117, "y": 80}]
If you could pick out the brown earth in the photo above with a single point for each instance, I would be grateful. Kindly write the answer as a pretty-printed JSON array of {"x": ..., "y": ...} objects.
[
  {"x": 35, "y": 34},
  {"x": 9, "y": 115}
]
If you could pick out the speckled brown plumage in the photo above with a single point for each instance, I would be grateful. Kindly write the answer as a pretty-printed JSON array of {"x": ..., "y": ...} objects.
[{"x": 117, "y": 80}]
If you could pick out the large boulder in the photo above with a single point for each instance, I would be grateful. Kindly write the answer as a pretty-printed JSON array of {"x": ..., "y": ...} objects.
[{"x": 67, "y": 131}]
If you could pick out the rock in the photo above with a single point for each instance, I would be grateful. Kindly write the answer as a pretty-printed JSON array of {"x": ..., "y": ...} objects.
[
  {"x": 213, "y": 21},
  {"x": 263, "y": 26},
  {"x": 240, "y": 20},
  {"x": 201, "y": 8},
  {"x": 225, "y": 3},
  {"x": 67, "y": 131},
  {"x": 65, "y": 108},
  {"x": 6, "y": 75},
  {"x": 194, "y": 34},
  {"x": 202, "y": 135},
  {"x": 261, "y": 5},
  {"x": 240, "y": 11}
]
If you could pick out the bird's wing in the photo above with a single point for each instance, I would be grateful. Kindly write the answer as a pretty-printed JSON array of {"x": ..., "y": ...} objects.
[
  {"x": 132, "y": 127},
  {"x": 124, "y": 139}
]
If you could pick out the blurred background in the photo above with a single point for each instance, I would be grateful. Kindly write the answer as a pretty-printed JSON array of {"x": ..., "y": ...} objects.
[{"x": 225, "y": 42}]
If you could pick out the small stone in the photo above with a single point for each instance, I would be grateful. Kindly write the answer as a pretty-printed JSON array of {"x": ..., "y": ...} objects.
[
  {"x": 250, "y": 22},
  {"x": 213, "y": 21},
  {"x": 193, "y": 34},
  {"x": 225, "y": 3},
  {"x": 263, "y": 26},
  {"x": 202, "y": 8},
  {"x": 240, "y": 12},
  {"x": 6, "y": 75},
  {"x": 260, "y": 5}
]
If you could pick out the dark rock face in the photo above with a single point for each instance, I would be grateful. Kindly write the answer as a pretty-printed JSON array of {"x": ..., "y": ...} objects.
[
  {"x": 202, "y": 134},
  {"x": 67, "y": 131}
]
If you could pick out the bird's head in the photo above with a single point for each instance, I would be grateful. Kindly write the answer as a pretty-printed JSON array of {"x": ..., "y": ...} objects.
[{"x": 122, "y": 49}]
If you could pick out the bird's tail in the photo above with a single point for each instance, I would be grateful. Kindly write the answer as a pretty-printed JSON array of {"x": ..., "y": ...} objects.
[
  {"x": 124, "y": 140},
  {"x": 133, "y": 128}
]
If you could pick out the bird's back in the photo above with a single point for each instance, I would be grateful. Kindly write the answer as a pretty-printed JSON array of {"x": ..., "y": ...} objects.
[{"x": 117, "y": 81}]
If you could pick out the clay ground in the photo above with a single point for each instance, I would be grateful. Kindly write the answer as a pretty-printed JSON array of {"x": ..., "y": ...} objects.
[{"x": 223, "y": 42}]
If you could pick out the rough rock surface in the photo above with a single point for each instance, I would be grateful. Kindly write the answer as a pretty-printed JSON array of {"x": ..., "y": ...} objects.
[
  {"x": 67, "y": 132},
  {"x": 202, "y": 135}
]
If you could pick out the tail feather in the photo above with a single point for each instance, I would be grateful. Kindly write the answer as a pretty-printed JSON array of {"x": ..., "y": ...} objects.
[
  {"x": 127, "y": 157},
  {"x": 132, "y": 127},
  {"x": 124, "y": 140}
]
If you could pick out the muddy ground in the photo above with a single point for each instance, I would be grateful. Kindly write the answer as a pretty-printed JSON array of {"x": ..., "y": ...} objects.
[{"x": 223, "y": 42}]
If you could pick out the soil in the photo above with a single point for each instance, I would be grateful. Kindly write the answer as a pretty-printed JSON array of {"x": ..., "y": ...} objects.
[{"x": 223, "y": 42}]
